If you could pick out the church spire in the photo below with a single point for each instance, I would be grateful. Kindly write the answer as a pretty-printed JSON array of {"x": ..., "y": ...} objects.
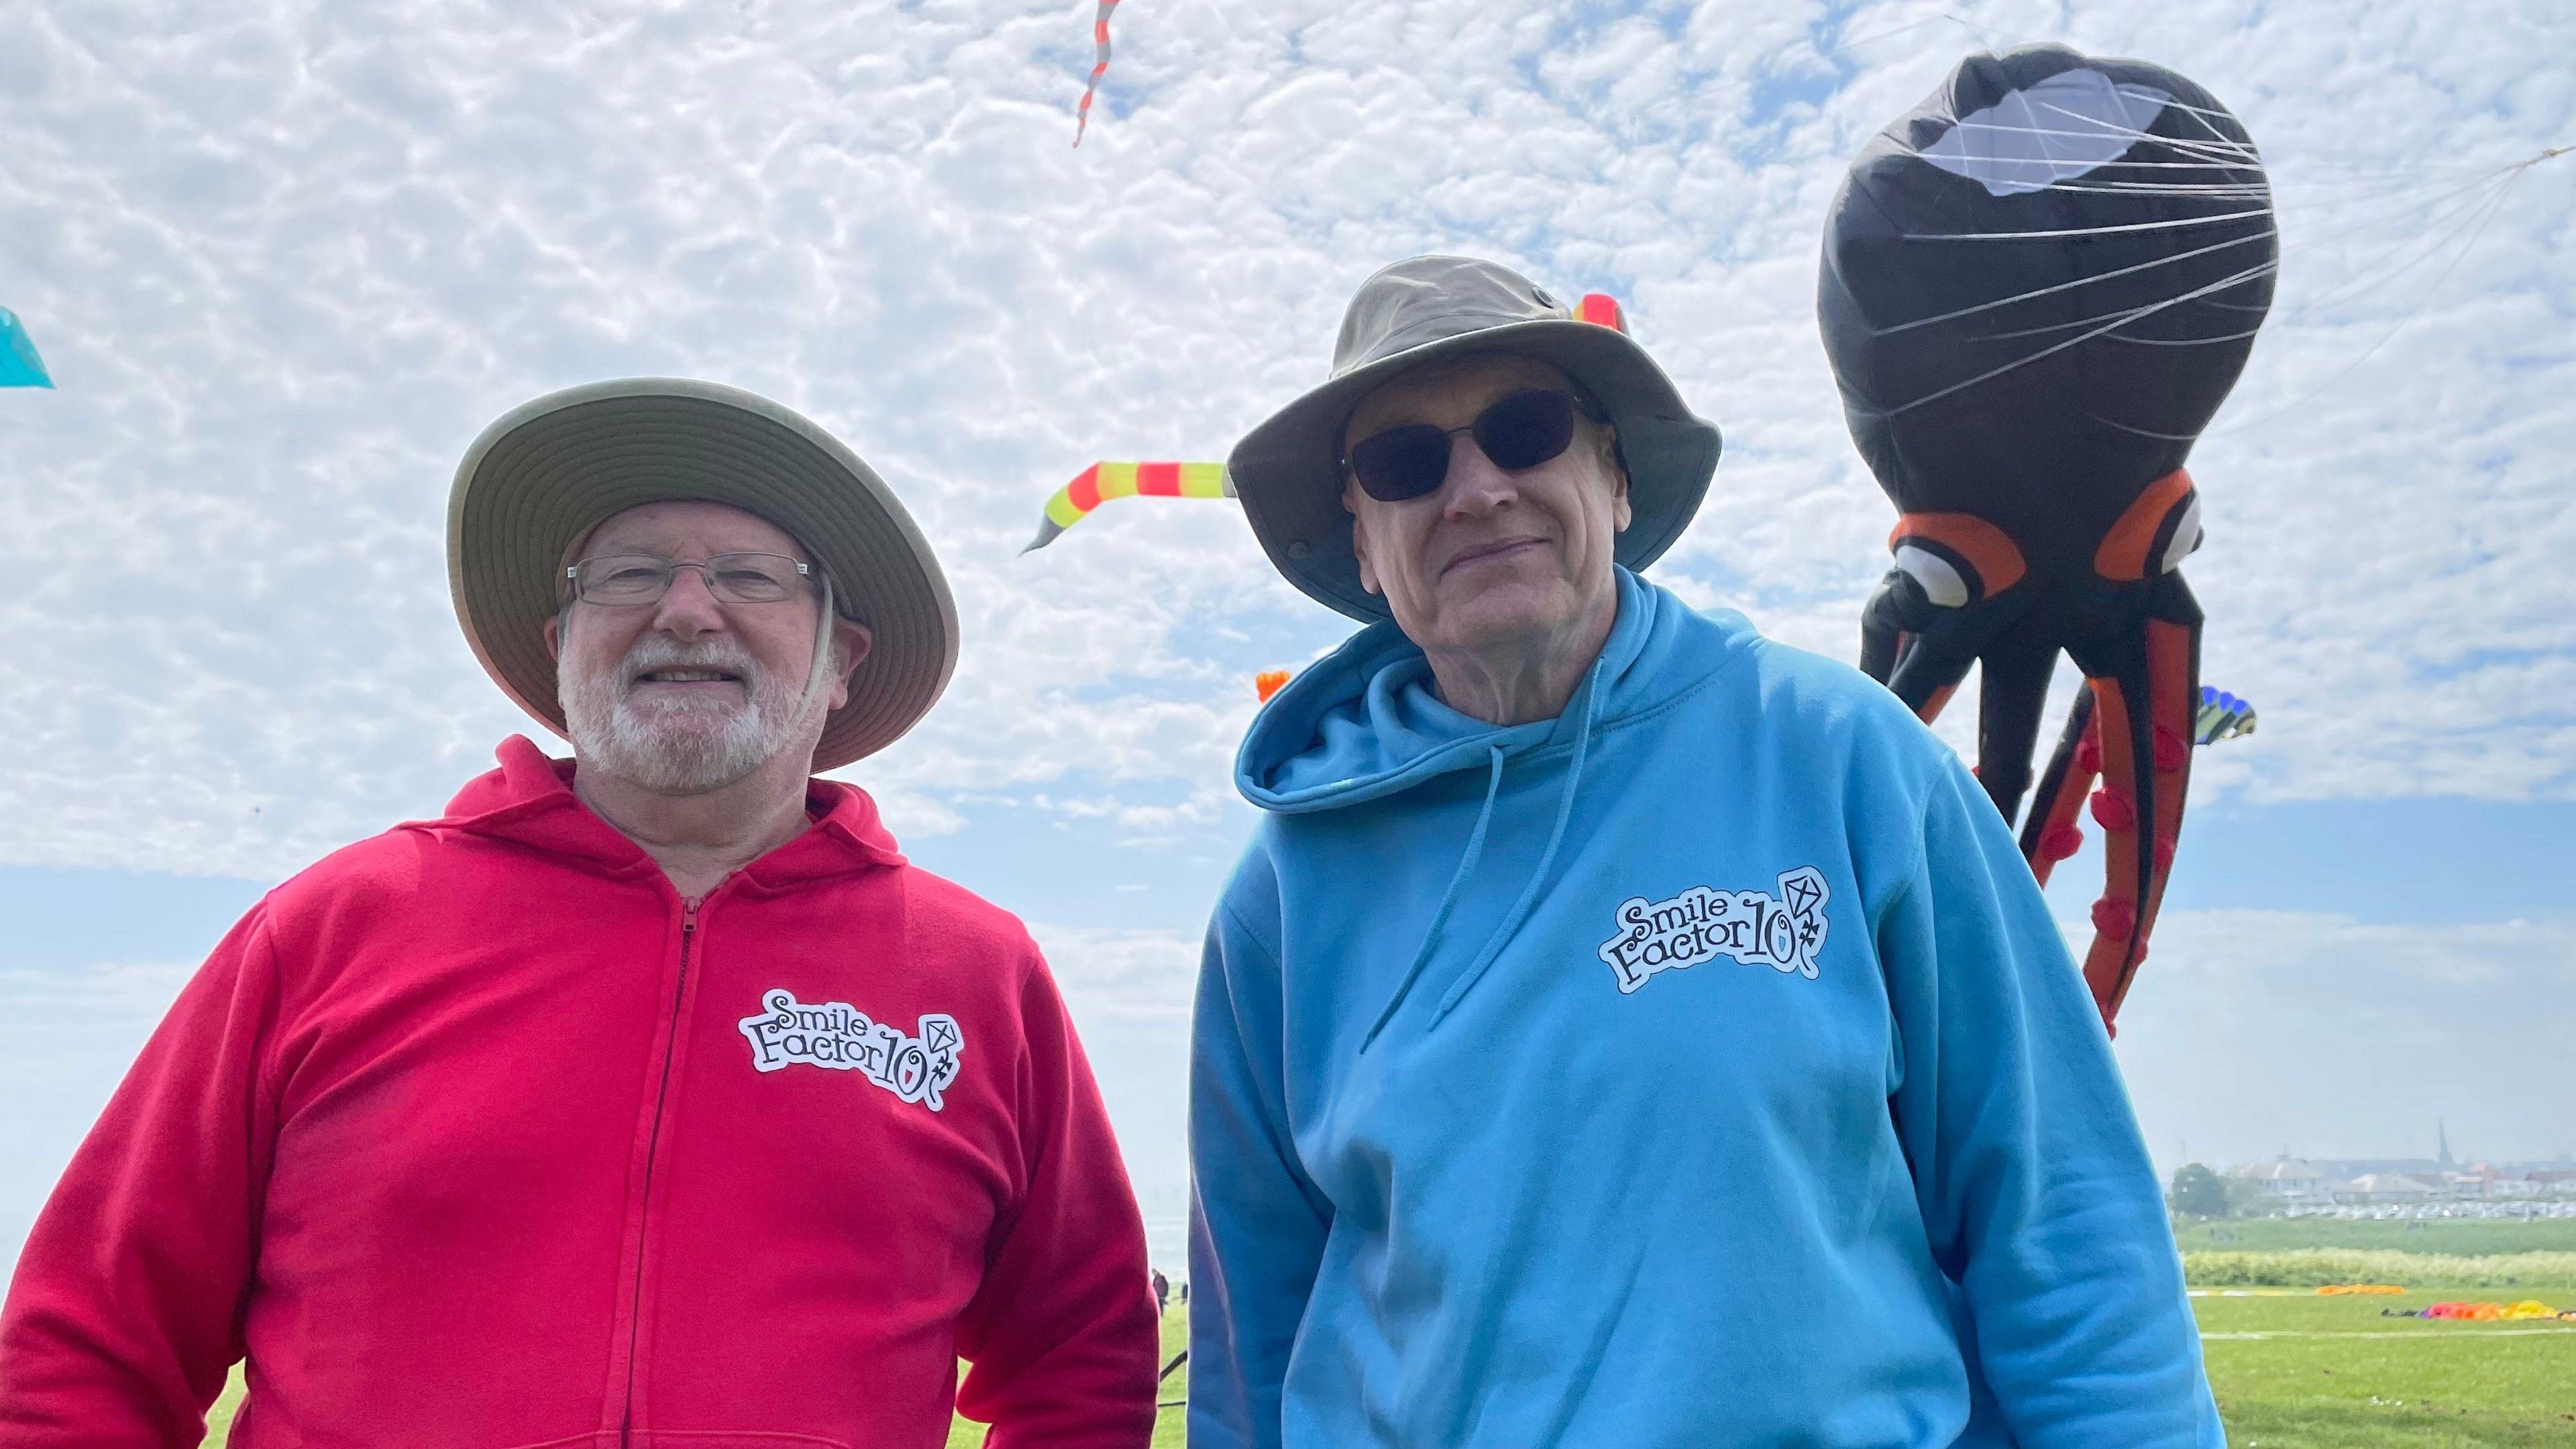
[{"x": 2442, "y": 1132}]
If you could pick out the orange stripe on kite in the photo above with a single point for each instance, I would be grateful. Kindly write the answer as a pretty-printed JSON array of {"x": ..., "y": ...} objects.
[
  {"x": 1101, "y": 482},
  {"x": 2122, "y": 557}
]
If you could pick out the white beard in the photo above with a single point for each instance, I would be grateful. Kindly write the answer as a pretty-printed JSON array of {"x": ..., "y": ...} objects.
[{"x": 679, "y": 747}]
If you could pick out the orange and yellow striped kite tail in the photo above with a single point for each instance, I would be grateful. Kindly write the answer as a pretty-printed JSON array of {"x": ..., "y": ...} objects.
[
  {"x": 1102, "y": 481},
  {"x": 1074, "y": 501}
]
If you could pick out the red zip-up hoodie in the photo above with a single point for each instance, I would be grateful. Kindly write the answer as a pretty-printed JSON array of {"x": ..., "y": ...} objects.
[{"x": 476, "y": 1135}]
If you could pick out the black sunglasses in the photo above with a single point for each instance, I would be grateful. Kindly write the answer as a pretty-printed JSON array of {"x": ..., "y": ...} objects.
[{"x": 1521, "y": 431}]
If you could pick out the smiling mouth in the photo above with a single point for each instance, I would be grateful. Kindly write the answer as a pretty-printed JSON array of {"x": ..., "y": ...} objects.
[{"x": 1490, "y": 552}]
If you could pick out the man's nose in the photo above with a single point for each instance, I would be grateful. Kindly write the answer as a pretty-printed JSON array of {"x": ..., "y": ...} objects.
[
  {"x": 689, "y": 609},
  {"x": 1474, "y": 484}
]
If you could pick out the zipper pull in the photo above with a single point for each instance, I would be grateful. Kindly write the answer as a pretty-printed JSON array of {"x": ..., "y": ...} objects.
[{"x": 689, "y": 914}]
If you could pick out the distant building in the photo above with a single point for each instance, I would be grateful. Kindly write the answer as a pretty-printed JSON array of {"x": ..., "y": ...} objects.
[
  {"x": 2288, "y": 1181},
  {"x": 2387, "y": 1187},
  {"x": 2344, "y": 1169}
]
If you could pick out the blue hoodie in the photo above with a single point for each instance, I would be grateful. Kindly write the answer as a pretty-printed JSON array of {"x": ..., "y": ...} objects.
[{"x": 1701, "y": 1067}]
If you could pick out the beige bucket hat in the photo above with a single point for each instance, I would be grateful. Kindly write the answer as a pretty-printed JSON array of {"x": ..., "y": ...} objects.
[
  {"x": 1288, "y": 470},
  {"x": 552, "y": 470}
]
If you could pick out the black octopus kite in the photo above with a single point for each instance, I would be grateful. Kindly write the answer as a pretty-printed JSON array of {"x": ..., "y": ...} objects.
[{"x": 2038, "y": 286}]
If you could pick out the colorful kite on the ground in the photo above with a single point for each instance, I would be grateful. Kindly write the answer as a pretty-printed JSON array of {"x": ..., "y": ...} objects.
[
  {"x": 2038, "y": 286},
  {"x": 2222, "y": 717},
  {"x": 2529, "y": 1308},
  {"x": 19, "y": 364},
  {"x": 1099, "y": 68},
  {"x": 1074, "y": 501}
]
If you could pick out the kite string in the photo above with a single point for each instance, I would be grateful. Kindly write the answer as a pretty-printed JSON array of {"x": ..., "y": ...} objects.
[
  {"x": 2464, "y": 209},
  {"x": 2173, "y": 224},
  {"x": 2364, "y": 276},
  {"x": 2493, "y": 207},
  {"x": 2221, "y": 146},
  {"x": 2084, "y": 281},
  {"x": 1876, "y": 36},
  {"x": 2417, "y": 199},
  {"x": 2147, "y": 310},
  {"x": 2116, "y": 320}
]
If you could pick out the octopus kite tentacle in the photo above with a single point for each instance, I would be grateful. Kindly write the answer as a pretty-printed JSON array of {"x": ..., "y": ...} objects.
[
  {"x": 1099, "y": 68},
  {"x": 2142, "y": 689}
]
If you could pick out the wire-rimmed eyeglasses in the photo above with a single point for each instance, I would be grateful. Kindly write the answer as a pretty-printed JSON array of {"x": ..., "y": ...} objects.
[{"x": 643, "y": 578}]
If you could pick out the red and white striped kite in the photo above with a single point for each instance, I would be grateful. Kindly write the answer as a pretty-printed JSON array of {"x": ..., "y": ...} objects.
[{"x": 1099, "y": 67}]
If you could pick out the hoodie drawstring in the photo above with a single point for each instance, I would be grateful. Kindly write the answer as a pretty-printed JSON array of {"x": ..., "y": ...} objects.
[
  {"x": 1538, "y": 878},
  {"x": 1467, "y": 865},
  {"x": 1448, "y": 900}
]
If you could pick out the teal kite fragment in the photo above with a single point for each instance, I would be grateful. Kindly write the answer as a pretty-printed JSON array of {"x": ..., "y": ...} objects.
[{"x": 19, "y": 364}]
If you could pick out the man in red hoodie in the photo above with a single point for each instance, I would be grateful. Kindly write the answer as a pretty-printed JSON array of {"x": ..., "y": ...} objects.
[{"x": 649, "y": 1098}]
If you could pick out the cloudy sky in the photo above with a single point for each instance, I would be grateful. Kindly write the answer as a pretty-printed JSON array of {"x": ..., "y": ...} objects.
[{"x": 285, "y": 261}]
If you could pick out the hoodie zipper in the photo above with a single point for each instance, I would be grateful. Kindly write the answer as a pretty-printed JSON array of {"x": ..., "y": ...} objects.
[{"x": 652, "y": 1149}]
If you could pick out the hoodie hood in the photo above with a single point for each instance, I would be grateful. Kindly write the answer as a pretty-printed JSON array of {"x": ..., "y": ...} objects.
[
  {"x": 1364, "y": 722},
  {"x": 529, "y": 801}
]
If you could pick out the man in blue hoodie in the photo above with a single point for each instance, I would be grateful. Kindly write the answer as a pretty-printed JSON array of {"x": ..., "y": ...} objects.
[{"x": 1624, "y": 1030}]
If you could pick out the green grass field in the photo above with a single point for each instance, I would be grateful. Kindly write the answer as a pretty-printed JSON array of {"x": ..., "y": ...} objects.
[
  {"x": 2292, "y": 1370},
  {"x": 2457, "y": 1238},
  {"x": 2305, "y": 1372}
]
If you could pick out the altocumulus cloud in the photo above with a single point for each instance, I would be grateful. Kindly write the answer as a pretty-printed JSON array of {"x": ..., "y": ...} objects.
[{"x": 286, "y": 262}]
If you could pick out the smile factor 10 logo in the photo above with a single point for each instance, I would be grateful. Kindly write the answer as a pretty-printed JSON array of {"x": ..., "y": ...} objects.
[
  {"x": 1784, "y": 932},
  {"x": 839, "y": 1037}
]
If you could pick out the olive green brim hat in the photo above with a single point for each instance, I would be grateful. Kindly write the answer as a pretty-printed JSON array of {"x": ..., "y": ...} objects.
[
  {"x": 1288, "y": 471},
  {"x": 552, "y": 470}
]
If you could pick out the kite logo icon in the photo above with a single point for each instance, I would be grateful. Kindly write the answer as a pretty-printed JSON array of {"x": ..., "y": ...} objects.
[
  {"x": 1784, "y": 932},
  {"x": 839, "y": 1037}
]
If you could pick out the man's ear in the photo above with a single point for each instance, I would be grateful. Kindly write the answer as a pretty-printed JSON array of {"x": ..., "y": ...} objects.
[
  {"x": 1359, "y": 536},
  {"x": 850, "y": 646},
  {"x": 554, "y": 638},
  {"x": 1622, "y": 513}
]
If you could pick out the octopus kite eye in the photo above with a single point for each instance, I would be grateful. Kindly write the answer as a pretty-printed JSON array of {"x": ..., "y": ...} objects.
[
  {"x": 2186, "y": 537},
  {"x": 1937, "y": 576},
  {"x": 2158, "y": 529},
  {"x": 1956, "y": 559}
]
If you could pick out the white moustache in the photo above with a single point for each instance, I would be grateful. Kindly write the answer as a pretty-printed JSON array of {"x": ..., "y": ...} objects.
[{"x": 658, "y": 652}]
